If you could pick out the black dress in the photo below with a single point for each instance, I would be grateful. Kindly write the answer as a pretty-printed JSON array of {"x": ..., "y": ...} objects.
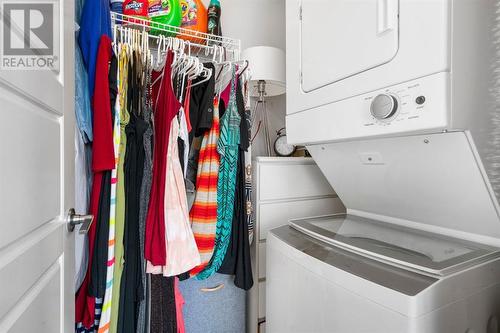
[
  {"x": 201, "y": 105},
  {"x": 97, "y": 286},
  {"x": 131, "y": 282},
  {"x": 163, "y": 313},
  {"x": 131, "y": 287}
]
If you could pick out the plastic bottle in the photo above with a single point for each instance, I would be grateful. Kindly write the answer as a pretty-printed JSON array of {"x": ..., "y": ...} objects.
[
  {"x": 194, "y": 17},
  {"x": 166, "y": 12},
  {"x": 214, "y": 14}
]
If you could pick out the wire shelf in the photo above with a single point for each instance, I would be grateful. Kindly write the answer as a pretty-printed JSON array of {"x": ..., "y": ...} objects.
[{"x": 197, "y": 40}]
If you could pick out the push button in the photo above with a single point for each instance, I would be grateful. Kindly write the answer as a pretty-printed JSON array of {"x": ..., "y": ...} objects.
[{"x": 420, "y": 100}]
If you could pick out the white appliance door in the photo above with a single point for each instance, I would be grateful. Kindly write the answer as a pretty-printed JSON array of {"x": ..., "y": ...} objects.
[
  {"x": 36, "y": 186},
  {"x": 430, "y": 182},
  {"x": 341, "y": 38}
]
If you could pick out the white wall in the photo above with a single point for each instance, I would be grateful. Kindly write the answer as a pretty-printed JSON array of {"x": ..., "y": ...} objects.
[
  {"x": 255, "y": 22},
  {"x": 258, "y": 22}
]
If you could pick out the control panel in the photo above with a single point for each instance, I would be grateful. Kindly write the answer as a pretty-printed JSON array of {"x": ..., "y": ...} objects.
[
  {"x": 399, "y": 104},
  {"x": 420, "y": 105}
]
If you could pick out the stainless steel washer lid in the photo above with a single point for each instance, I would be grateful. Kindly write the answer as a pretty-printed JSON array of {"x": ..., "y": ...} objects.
[{"x": 419, "y": 251}]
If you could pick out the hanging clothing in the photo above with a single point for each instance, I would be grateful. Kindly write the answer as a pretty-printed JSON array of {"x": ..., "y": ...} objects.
[
  {"x": 167, "y": 106},
  {"x": 201, "y": 104},
  {"x": 237, "y": 261},
  {"x": 97, "y": 318},
  {"x": 83, "y": 172},
  {"x": 184, "y": 136},
  {"x": 120, "y": 195},
  {"x": 179, "y": 303},
  {"x": 187, "y": 103},
  {"x": 83, "y": 112},
  {"x": 145, "y": 234},
  {"x": 101, "y": 257},
  {"x": 97, "y": 286},
  {"x": 182, "y": 252},
  {"x": 102, "y": 150},
  {"x": 147, "y": 322},
  {"x": 191, "y": 170},
  {"x": 248, "y": 159},
  {"x": 110, "y": 264},
  {"x": 203, "y": 214},
  {"x": 227, "y": 147},
  {"x": 131, "y": 282},
  {"x": 95, "y": 22},
  {"x": 163, "y": 313},
  {"x": 102, "y": 160},
  {"x": 83, "y": 154},
  {"x": 198, "y": 105},
  {"x": 144, "y": 198}
]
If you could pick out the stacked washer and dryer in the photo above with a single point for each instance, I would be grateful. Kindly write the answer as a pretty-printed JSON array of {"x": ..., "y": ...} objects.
[{"x": 398, "y": 103}]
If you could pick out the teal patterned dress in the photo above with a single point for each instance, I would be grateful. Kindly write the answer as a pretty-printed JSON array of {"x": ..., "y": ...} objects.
[{"x": 227, "y": 147}]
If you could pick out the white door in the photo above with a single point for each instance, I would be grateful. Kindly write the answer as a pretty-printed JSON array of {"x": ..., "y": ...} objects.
[
  {"x": 37, "y": 180},
  {"x": 354, "y": 35}
]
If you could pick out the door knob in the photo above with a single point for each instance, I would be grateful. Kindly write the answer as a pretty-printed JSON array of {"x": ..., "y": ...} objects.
[{"x": 75, "y": 219}]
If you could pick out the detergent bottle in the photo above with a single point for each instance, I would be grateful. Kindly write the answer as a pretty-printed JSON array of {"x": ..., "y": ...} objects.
[
  {"x": 214, "y": 14},
  {"x": 136, "y": 8},
  {"x": 194, "y": 17},
  {"x": 166, "y": 12}
]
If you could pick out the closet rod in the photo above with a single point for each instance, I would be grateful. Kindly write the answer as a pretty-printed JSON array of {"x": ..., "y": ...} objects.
[{"x": 231, "y": 45}]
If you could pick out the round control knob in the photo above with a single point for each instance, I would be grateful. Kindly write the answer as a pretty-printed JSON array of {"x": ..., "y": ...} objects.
[{"x": 384, "y": 106}]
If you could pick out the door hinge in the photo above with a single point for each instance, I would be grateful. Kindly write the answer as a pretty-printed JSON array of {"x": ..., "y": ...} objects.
[
  {"x": 300, "y": 77},
  {"x": 300, "y": 13}
]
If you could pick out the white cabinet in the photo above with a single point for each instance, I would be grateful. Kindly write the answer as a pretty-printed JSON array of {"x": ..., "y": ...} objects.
[{"x": 284, "y": 188}]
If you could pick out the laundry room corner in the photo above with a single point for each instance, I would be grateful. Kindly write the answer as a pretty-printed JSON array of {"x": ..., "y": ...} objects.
[{"x": 250, "y": 166}]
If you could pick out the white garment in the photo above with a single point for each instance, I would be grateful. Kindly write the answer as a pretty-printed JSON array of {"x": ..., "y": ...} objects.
[
  {"x": 82, "y": 199},
  {"x": 184, "y": 135},
  {"x": 181, "y": 249}
]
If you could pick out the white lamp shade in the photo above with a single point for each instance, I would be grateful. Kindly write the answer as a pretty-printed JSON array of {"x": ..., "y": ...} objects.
[{"x": 268, "y": 64}]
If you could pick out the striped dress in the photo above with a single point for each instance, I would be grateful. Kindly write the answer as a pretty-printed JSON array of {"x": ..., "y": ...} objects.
[
  {"x": 107, "y": 304},
  {"x": 227, "y": 147},
  {"x": 120, "y": 200},
  {"x": 203, "y": 214}
]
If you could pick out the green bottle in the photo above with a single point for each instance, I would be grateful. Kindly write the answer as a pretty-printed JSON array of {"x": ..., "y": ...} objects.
[
  {"x": 166, "y": 12},
  {"x": 214, "y": 13}
]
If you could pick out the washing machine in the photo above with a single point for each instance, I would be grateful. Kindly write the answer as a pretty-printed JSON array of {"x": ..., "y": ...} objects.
[
  {"x": 350, "y": 275},
  {"x": 416, "y": 252},
  {"x": 398, "y": 103}
]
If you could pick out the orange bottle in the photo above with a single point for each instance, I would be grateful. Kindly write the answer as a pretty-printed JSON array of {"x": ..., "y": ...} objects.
[{"x": 194, "y": 17}]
